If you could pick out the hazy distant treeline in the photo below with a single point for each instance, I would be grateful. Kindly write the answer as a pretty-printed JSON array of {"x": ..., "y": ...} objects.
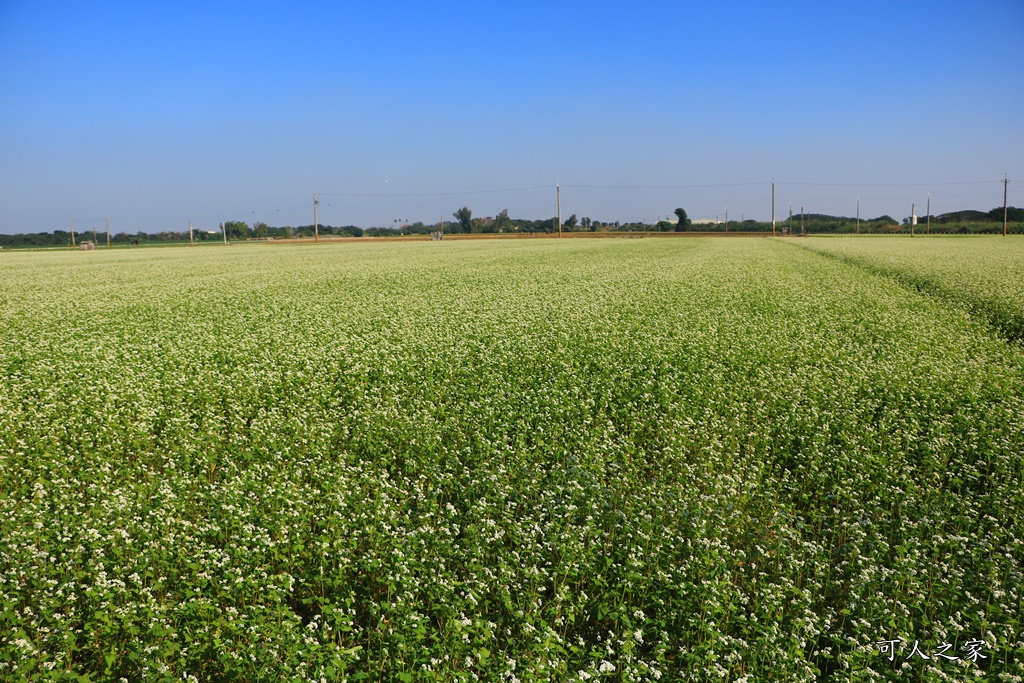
[{"x": 954, "y": 222}]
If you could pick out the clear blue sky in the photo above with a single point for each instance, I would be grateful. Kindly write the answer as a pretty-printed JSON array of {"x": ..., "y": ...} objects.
[{"x": 155, "y": 113}]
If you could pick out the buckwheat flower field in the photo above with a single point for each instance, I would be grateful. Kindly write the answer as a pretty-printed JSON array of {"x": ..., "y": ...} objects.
[
  {"x": 626, "y": 460},
  {"x": 948, "y": 268}
]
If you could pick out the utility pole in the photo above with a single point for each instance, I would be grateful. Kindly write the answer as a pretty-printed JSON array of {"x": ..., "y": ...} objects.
[
  {"x": 72, "y": 233},
  {"x": 224, "y": 232},
  {"x": 94, "y": 238},
  {"x": 928, "y": 213},
  {"x": 773, "y": 207},
  {"x": 1006, "y": 182},
  {"x": 442, "y": 223},
  {"x": 316, "y": 220},
  {"x": 802, "y": 230},
  {"x": 789, "y": 223},
  {"x": 912, "y": 206},
  {"x": 858, "y": 215},
  {"x": 191, "y": 241},
  {"x": 727, "y": 219},
  {"x": 108, "y": 232},
  {"x": 558, "y": 193}
]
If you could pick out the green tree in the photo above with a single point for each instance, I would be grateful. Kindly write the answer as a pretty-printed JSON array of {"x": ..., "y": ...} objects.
[
  {"x": 502, "y": 220},
  {"x": 465, "y": 218},
  {"x": 684, "y": 222},
  {"x": 236, "y": 230},
  {"x": 571, "y": 221},
  {"x": 1013, "y": 214}
]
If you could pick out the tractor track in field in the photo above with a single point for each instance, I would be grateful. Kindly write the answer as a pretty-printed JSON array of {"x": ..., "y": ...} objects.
[{"x": 1006, "y": 322}]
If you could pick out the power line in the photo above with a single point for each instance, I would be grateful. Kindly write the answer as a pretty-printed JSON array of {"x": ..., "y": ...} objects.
[
  {"x": 662, "y": 187},
  {"x": 963, "y": 182},
  {"x": 433, "y": 194}
]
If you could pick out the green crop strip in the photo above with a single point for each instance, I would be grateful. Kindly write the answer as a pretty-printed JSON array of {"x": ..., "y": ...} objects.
[
  {"x": 982, "y": 275},
  {"x": 712, "y": 460}
]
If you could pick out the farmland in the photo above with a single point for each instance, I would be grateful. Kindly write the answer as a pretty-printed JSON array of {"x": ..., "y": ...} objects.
[
  {"x": 982, "y": 276},
  {"x": 707, "y": 459}
]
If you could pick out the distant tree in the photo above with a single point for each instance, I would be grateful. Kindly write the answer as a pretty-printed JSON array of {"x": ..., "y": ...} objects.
[
  {"x": 261, "y": 229},
  {"x": 684, "y": 222},
  {"x": 969, "y": 216},
  {"x": 1013, "y": 214},
  {"x": 571, "y": 222},
  {"x": 236, "y": 230},
  {"x": 502, "y": 221},
  {"x": 465, "y": 218},
  {"x": 586, "y": 223}
]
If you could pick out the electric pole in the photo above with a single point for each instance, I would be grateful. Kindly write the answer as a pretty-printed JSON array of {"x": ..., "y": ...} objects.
[
  {"x": 773, "y": 207},
  {"x": 802, "y": 230},
  {"x": 191, "y": 242},
  {"x": 224, "y": 232},
  {"x": 558, "y": 194},
  {"x": 1006, "y": 182},
  {"x": 72, "y": 233},
  {"x": 108, "y": 232},
  {"x": 727, "y": 219},
  {"x": 316, "y": 220},
  {"x": 928, "y": 213},
  {"x": 912, "y": 206}
]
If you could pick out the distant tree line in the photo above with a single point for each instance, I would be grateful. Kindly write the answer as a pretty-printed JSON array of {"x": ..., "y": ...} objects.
[{"x": 963, "y": 222}]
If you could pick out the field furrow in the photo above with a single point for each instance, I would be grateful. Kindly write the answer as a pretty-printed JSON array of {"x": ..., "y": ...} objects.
[{"x": 983, "y": 275}]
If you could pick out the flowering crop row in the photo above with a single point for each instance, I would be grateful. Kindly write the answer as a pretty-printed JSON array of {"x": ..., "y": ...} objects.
[
  {"x": 982, "y": 274},
  {"x": 619, "y": 459}
]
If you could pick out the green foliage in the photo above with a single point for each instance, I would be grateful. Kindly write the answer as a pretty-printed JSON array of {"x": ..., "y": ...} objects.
[
  {"x": 533, "y": 460},
  {"x": 465, "y": 218},
  {"x": 684, "y": 221},
  {"x": 502, "y": 221},
  {"x": 237, "y": 230},
  {"x": 1013, "y": 214}
]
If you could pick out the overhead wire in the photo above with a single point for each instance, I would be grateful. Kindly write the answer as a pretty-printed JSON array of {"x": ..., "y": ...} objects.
[{"x": 431, "y": 194}]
